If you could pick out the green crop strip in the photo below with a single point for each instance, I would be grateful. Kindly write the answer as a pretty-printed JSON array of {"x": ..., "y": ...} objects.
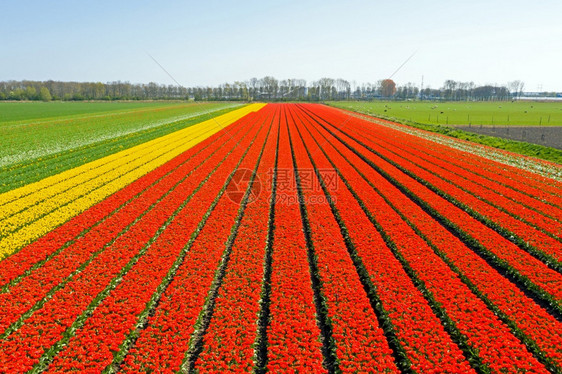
[{"x": 139, "y": 128}]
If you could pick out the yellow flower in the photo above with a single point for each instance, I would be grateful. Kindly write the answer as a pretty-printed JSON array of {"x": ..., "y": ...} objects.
[{"x": 31, "y": 211}]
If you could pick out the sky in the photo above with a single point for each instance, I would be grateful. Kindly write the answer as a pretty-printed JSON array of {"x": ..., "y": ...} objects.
[{"x": 211, "y": 42}]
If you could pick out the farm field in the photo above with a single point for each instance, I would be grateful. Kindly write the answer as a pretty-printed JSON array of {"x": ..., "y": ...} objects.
[
  {"x": 24, "y": 111},
  {"x": 38, "y": 140},
  {"x": 280, "y": 238},
  {"x": 528, "y": 128},
  {"x": 499, "y": 113}
]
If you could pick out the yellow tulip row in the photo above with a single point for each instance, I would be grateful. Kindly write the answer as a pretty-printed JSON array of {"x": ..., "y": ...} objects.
[
  {"x": 33, "y": 210},
  {"x": 44, "y": 195}
]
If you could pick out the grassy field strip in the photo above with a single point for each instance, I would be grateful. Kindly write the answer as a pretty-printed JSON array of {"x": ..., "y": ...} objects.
[
  {"x": 38, "y": 204},
  {"x": 22, "y": 144},
  {"x": 86, "y": 139},
  {"x": 65, "y": 176},
  {"x": 114, "y": 165},
  {"x": 504, "y": 113},
  {"x": 95, "y": 128},
  {"x": 76, "y": 117},
  {"x": 33, "y": 230},
  {"x": 36, "y": 112},
  {"x": 34, "y": 170},
  {"x": 65, "y": 120},
  {"x": 92, "y": 169}
]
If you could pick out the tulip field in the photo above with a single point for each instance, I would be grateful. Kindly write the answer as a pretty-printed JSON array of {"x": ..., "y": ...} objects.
[{"x": 280, "y": 238}]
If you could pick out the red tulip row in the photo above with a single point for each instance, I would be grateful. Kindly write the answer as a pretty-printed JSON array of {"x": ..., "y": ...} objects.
[
  {"x": 522, "y": 313},
  {"x": 420, "y": 334},
  {"x": 37, "y": 253},
  {"x": 437, "y": 155},
  {"x": 497, "y": 347},
  {"x": 544, "y": 189},
  {"x": 360, "y": 344},
  {"x": 32, "y": 288},
  {"x": 169, "y": 334},
  {"x": 486, "y": 203},
  {"x": 228, "y": 345},
  {"x": 380, "y": 272},
  {"x": 113, "y": 320},
  {"x": 531, "y": 322},
  {"x": 57, "y": 316},
  {"x": 545, "y": 282},
  {"x": 293, "y": 335}
]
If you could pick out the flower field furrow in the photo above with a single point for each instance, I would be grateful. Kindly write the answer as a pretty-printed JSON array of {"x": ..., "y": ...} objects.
[
  {"x": 46, "y": 195},
  {"x": 215, "y": 124},
  {"x": 531, "y": 230},
  {"x": 404, "y": 144},
  {"x": 228, "y": 344},
  {"x": 167, "y": 337},
  {"x": 525, "y": 206},
  {"x": 418, "y": 333},
  {"x": 537, "y": 326},
  {"x": 513, "y": 258},
  {"x": 449, "y": 162},
  {"x": 39, "y": 222},
  {"x": 34, "y": 255},
  {"x": 481, "y": 328},
  {"x": 529, "y": 320},
  {"x": 536, "y": 230},
  {"x": 279, "y": 238},
  {"x": 38, "y": 332},
  {"x": 358, "y": 339},
  {"x": 544, "y": 216},
  {"x": 293, "y": 335},
  {"x": 34, "y": 287},
  {"x": 30, "y": 171},
  {"x": 543, "y": 188},
  {"x": 112, "y": 321}
]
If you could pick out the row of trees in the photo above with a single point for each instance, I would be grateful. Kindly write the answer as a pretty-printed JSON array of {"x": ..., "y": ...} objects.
[{"x": 264, "y": 89}]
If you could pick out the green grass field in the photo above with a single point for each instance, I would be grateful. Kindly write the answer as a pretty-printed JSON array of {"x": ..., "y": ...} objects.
[
  {"x": 21, "y": 111},
  {"x": 421, "y": 114},
  {"x": 520, "y": 113},
  {"x": 42, "y": 139}
]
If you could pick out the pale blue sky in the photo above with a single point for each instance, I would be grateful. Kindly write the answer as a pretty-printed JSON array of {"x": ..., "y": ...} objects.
[{"x": 211, "y": 42}]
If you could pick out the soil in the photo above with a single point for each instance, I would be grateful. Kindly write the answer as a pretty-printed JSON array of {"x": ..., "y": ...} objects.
[{"x": 542, "y": 135}]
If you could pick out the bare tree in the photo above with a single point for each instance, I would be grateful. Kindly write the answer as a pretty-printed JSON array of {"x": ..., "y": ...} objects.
[{"x": 516, "y": 88}]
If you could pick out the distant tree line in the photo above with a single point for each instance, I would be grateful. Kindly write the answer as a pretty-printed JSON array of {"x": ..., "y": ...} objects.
[{"x": 264, "y": 89}]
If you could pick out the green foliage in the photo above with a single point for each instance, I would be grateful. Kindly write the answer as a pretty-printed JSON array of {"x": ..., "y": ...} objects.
[
  {"x": 17, "y": 94},
  {"x": 30, "y": 93},
  {"x": 522, "y": 113},
  {"x": 44, "y": 94}
]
